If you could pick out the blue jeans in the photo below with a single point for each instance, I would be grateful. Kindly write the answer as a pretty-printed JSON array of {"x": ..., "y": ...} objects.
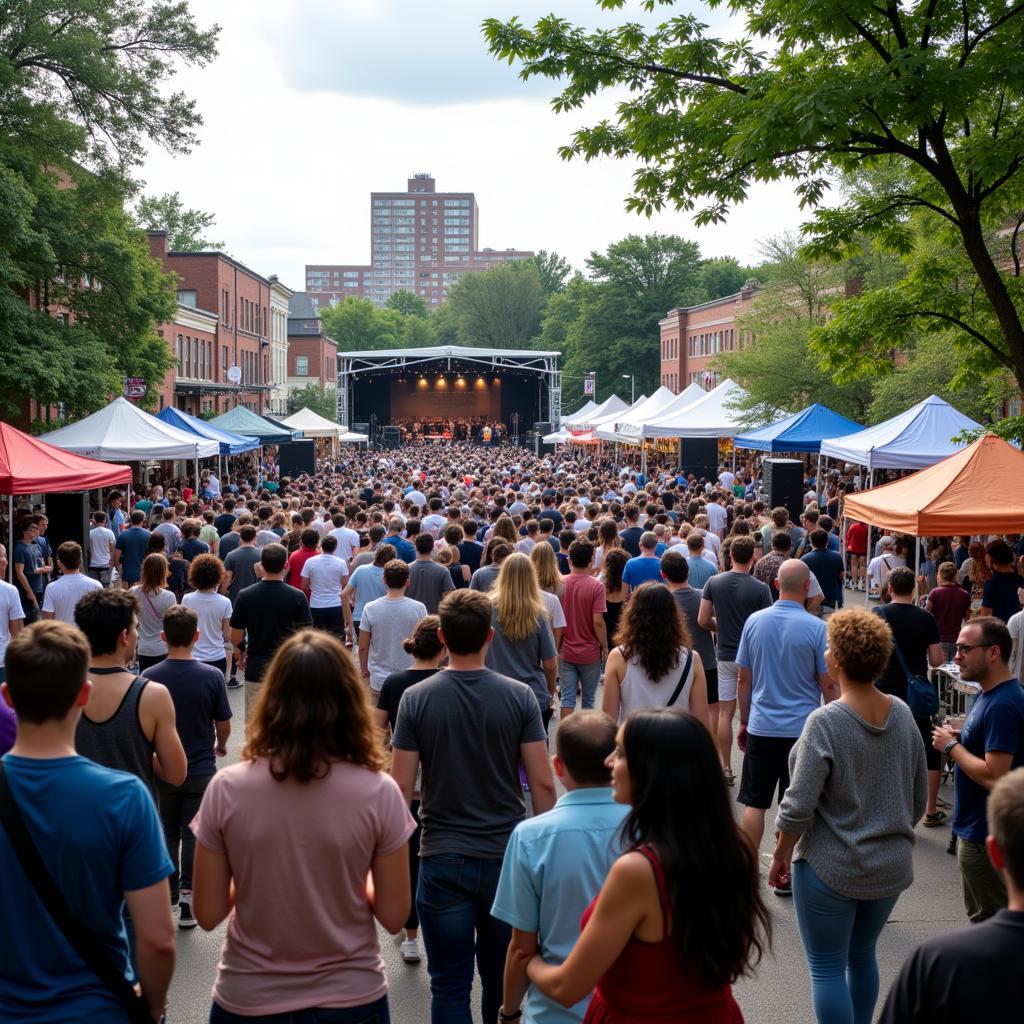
[
  {"x": 839, "y": 937},
  {"x": 588, "y": 676},
  {"x": 454, "y": 900},
  {"x": 368, "y": 1013}
]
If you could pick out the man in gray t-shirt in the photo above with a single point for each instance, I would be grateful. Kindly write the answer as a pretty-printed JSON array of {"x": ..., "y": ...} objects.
[
  {"x": 385, "y": 625},
  {"x": 469, "y": 728},
  {"x": 428, "y": 581},
  {"x": 240, "y": 564}
]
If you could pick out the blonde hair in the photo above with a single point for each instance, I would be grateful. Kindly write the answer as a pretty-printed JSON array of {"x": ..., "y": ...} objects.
[
  {"x": 546, "y": 566},
  {"x": 516, "y": 598}
]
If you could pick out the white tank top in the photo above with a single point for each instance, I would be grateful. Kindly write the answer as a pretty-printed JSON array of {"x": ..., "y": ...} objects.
[{"x": 638, "y": 690}]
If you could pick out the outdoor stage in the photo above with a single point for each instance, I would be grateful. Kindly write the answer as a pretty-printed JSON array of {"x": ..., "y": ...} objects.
[{"x": 516, "y": 388}]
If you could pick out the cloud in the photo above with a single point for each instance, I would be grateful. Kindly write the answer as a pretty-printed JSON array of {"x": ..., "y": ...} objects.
[{"x": 423, "y": 54}]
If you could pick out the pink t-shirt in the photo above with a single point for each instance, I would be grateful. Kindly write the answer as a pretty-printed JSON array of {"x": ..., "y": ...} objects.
[
  {"x": 582, "y": 599},
  {"x": 301, "y": 934}
]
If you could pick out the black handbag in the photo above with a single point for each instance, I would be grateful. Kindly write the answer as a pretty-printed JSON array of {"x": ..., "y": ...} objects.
[{"x": 82, "y": 941}]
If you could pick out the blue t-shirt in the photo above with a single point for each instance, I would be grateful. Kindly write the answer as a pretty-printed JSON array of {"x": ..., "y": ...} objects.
[
  {"x": 784, "y": 648},
  {"x": 134, "y": 546},
  {"x": 403, "y": 549},
  {"x": 1000, "y": 594},
  {"x": 31, "y": 558},
  {"x": 642, "y": 570},
  {"x": 368, "y": 583},
  {"x": 996, "y": 722},
  {"x": 99, "y": 836},
  {"x": 701, "y": 570}
]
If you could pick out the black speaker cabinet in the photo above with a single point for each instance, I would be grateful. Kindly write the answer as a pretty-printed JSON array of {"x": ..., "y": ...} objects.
[
  {"x": 69, "y": 518},
  {"x": 391, "y": 437},
  {"x": 360, "y": 428},
  {"x": 296, "y": 458},
  {"x": 699, "y": 456},
  {"x": 784, "y": 485}
]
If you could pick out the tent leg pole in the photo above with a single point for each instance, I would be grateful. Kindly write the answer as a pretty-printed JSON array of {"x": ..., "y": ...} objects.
[
  {"x": 867, "y": 557},
  {"x": 917, "y": 569},
  {"x": 10, "y": 538},
  {"x": 817, "y": 480},
  {"x": 198, "y": 487}
]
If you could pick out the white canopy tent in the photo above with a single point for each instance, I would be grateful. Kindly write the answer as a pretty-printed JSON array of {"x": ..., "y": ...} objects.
[
  {"x": 558, "y": 437},
  {"x": 632, "y": 430},
  {"x": 580, "y": 414},
  {"x": 351, "y": 437},
  {"x": 122, "y": 432},
  {"x": 644, "y": 410},
  {"x": 312, "y": 424},
  {"x": 609, "y": 405},
  {"x": 712, "y": 415}
]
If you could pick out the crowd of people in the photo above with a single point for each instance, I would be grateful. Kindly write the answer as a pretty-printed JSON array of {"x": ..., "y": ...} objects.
[
  {"x": 493, "y": 705},
  {"x": 478, "y": 429}
]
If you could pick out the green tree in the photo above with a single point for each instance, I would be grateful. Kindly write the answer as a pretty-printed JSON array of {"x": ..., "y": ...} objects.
[
  {"x": 499, "y": 308},
  {"x": 186, "y": 228},
  {"x": 931, "y": 90},
  {"x": 561, "y": 312},
  {"x": 104, "y": 68},
  {"x": 633, "y": 284},
  {"x": 554, "y": 271},
  {"x": 408, "y": 303},
  {"x": 321, "y": 400},
  {"x": 357, "y": 325},
  {"x": 722, "y": 276}
]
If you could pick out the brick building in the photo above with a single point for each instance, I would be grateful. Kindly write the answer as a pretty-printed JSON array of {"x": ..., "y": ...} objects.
[
  {"x": 239, "y": 300},
  {"x": 691, "y": 337},
  {"x": 192, "y": 384},
  {"x": 421, "y": 241},
  {"x": 312, "y": 356}
]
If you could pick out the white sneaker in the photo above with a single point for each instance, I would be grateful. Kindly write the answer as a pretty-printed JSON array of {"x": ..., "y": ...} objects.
[{"x": 411, "y": 951}]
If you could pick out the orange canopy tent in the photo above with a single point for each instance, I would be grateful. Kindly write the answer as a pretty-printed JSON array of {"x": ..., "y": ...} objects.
[{"x": 979, "y": 489}]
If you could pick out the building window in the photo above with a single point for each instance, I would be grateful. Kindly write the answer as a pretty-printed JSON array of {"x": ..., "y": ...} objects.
[
  {"x": 177, "y": 352},
  {"x": 302, "y": 366},
  {"x": 224, "y": 311},
  {"x": 224, "y": 362},
  {"x": 187, "y": 297}
]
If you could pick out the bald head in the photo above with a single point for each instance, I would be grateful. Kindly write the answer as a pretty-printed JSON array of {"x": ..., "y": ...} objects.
[{"x": 794, "y": 577}]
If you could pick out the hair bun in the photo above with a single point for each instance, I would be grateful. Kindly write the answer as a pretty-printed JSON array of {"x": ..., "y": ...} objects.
[{"x": 408, "y": 645}]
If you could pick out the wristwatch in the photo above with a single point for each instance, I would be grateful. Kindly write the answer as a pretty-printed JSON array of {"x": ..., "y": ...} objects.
[
  {"x": 950, "y": 745},
  {"x": 503, "y": 1016}
]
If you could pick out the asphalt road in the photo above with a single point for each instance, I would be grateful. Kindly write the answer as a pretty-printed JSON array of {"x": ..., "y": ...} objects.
[{"x": 779, "y": 990}]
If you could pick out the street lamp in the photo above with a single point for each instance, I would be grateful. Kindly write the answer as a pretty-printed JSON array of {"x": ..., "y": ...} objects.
[{"x": 632, "y": 387}]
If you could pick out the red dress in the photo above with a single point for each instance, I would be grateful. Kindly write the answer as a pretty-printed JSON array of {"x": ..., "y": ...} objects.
[{"x": 650, "y": 982}]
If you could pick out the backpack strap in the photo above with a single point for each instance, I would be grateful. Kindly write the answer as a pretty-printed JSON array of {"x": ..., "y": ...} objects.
[{"x": 682, "y": 680}]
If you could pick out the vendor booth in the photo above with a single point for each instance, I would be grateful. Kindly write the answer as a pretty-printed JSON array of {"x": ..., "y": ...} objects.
[
  {"x": 802, "y": 432},
  {"x": 241, "y": 420}
]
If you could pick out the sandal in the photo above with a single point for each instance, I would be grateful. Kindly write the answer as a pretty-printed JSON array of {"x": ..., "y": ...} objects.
[{"x": 934, "y": 820}]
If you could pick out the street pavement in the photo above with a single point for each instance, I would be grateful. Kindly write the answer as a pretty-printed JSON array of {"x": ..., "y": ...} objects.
[{"x": 778, "y": 991}]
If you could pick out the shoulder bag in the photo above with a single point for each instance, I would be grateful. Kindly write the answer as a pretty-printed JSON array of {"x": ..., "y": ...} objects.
[
  {"x": 81, "y": 940},
  {"x": 682, "y": 681},
  {"x": 922, "y": 697}
]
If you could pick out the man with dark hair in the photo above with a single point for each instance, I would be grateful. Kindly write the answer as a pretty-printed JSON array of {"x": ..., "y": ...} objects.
[
  {"x": 263, "y": 616},
  {"x": 226, "y": 519},
  {"x": 203, "y": 720},
  {"x": 310, "y": 542},
  {"x": 727, "y": 600},
  {"x": 974, "y": 973},
  {"x": 990, "y": 744},
  {"x": 97, "y": 835},
  {"x": 30, "y": 572},
  {"x": 915, "y": 635},
  {"x": 385, "y": 623},
  {"x": 130, "y": 550},
  {"x": 484, "y": 578},
  {"x": 585, "y": 640},
  {"x": 550, "y": 512},
  {"x": 428, "y": 581},
  {"x": 101, "y": 548},
  {"x": 471, "y": 551},
  {"x": 999, "y": 596},
  {"x": 631, "y": 535},
  {"x": 555, "y": 863},
  {"x": 70, "y": 587},
  {"x": 828, "y": 569},
  {"x": 240, "y": 564},
  {"x": 470, "y": 728},
  {"x": 702, "y": 566}
]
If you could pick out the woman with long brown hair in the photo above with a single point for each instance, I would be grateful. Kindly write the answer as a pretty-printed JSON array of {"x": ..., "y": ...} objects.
[
  {"x": 309, "y": 801},
  {"x": 153, "y": 599},
  {"x": 654, "y": 664}
]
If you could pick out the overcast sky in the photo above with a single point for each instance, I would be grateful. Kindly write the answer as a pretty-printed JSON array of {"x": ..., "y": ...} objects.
[{"x": 313, "y": 104}]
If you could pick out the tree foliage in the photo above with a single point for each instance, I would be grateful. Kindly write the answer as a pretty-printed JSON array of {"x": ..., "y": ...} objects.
[
  {"x": 554, "y": 271},
  {"x": 321, "y": 400},
  {"x": 186, "y": 228},
  {"x": 408, "y": 303},
  {"x": 723, "y": 276},
  {"x": 931, "y": 91},
  {"x": 498, "y": 308},
  {"x": 356, "y": 324}
]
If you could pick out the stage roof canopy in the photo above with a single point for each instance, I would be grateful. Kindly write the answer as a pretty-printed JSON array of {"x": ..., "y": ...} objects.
[{"x": 447, "y": 352}]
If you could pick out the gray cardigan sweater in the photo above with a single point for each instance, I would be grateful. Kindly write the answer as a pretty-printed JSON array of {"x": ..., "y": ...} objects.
[{"x": 857, "y": 791}]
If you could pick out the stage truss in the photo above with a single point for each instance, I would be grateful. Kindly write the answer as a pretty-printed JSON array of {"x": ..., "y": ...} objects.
[{"x": 544, "y": 364}]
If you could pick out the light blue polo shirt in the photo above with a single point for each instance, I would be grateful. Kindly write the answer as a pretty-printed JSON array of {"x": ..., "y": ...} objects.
[
  {"x": 555, "y": 864},
  {"x": 784, "y": 648}
]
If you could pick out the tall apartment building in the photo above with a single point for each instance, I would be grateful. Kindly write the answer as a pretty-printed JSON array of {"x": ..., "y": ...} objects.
[{"x": 421, "y": 241}]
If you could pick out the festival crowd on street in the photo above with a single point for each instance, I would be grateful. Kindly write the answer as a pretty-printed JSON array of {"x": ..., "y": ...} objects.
[{"x": 493, "y": 702}]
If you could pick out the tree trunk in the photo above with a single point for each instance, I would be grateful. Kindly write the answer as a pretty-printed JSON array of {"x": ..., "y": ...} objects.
[{"x": 995, "y": 290}]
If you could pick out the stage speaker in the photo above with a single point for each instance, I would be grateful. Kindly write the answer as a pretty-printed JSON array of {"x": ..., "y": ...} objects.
[
  {"x": 391, "y": 437},
  {"x": 699, "y": 456},
  {"x": 784, "y": 485},
  {"x": 542, "y": 428},
  {"x": 69, "y": 519},
  {"x": 360, "y": 428},
  {"x": 296, "y": 458}
]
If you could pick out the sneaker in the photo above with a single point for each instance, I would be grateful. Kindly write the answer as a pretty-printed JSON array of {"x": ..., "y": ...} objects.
[
  {"x": 185, "y": 918},
  {"x": 784, "y": 889},
  {"x": 234, "y": 684},
  {"x": 410, "y": 949}
]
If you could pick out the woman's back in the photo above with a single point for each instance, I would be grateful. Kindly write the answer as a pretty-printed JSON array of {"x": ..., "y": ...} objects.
[
  {"x": 302, "y": 932},
  {"x": 637, "y": 690}
]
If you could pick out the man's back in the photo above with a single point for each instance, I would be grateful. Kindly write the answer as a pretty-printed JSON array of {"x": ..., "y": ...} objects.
[
  {"x": 270, "y": 611},
  {"x": 241, "y": 563},
  {"x": 99, "y": 836},
  {"x": 735, "y": 596},
  {"x": 389, "y": 622},
  {"x": 428, "y": 583},
  {"x": 64, "y": 593},
  {"x": 913, "y": 630},
  {"x": 582, "y": 599},
  {"x": 827, "y": 566},
  {"x": 467, "y": 728},
  {"x": 630, "y": 538},
  {"x": 784, "y": 648}
]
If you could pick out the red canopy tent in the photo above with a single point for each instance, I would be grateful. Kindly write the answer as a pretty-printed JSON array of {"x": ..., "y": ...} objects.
[{"x": 31, "y": 466}]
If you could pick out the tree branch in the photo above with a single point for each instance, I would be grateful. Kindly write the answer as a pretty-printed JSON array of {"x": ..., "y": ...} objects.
[
  {"x": 957, "y": 322},
  {"x": 1014, "y": 238},
  {"x": 971, "y": 44}
]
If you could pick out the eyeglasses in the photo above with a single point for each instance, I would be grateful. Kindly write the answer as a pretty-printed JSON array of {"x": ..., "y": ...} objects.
[{"x": 967, "y": 648}]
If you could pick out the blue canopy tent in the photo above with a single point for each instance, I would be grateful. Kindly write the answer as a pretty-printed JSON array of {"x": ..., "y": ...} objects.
[
  {"x": 802, "y": 432},
  {"x": 230, "y": 443}
]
